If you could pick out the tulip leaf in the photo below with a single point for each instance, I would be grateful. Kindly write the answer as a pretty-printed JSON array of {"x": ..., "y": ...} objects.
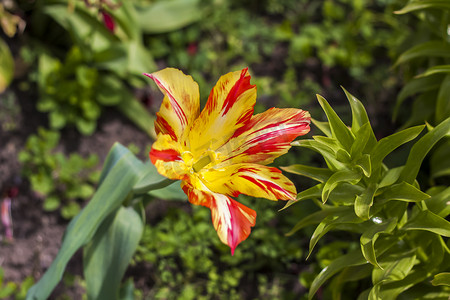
[
  {"x": 369, "y": 237},
  {"x": 123, "y": 171},
  {"x": 165, "y": 16},
  {"x": 319, "y": 174},
  {"x": 338, "y": 177},
  {"x": 428, "y": 221},
  {"x": 339, "y": 130},
  {"x": 107, "y": 255},
  {"x": 441, "y": 279},
  {"x": 421, "y": 149},
  {"x": 390, "y": 143}
]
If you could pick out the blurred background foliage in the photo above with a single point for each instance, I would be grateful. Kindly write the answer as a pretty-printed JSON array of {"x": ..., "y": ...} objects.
[{"x": 80, "y": 57}]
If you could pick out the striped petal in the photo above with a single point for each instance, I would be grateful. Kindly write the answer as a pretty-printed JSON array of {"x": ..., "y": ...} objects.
[
  {"x": 265, "y": 137},
  {"x": 250, "y": 179},
  {"x": 166, "y": 155},
  {"x": 181, "y": 104},
  {"x": 231, "y": 219},
  {"x": 229, "y": 107}
]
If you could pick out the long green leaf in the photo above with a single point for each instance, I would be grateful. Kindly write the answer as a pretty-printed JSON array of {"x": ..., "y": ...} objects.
[
  {"x": 107, "y": 256},
  {"x": 111, "y": 193},
  {"x": 443, "y": 100},
  {"x": 390, "y": 143},
  {"x": 364, "y": 201},
  {"x": 369, "y": 237},
  {"x": 319, "y": 174},
  {"x": 420, "y": 150},
  {"x": 427, "y": 49},
  {"x": 435, "y": 70},
  {"x": 339, "y": 130},
  {"x": 402, "y": 192},
  {"x": 312, "y": 192},
  {"x": 424, "y": 4},
  {"x": 428, "y": 221},
  {"x": 138, "y": 114},
  {"x": 441, "y": 279},
  {"x": 317, "y": 217},
  {"x": 350, "y": 176}
]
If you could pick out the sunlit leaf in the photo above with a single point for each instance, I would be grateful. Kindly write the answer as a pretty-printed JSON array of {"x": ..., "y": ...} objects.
[
  {"x": 441, "y": 279},
  {"x": 402, "y": 192},
  {"x": 427, "y": 49},
  {"x": 312, "y": 192},
  {"x": 369, "y": 237},
  {"x": 390, "y": 143},
  {"x": 323, "y": 126},
  {"x": 424, "y": 4},
  {"x": 435, "y": 70},
  {"x": 6, "y": 66},
  {"x": 428, "y": 221},
  {"x": 350, "y": 176},
  {"x": 339, "y": 130},
  {"x": 364, "y": 201}
]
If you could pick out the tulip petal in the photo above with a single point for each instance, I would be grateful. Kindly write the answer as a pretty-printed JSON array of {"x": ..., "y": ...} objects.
[
  {"x": 181, "y": 104},
  {"x": 231, "y": 219},
  {"x": 265, "y": 137},
  {"x": 250, "y": 179},
  {"x": 167, "y": 158},
  {"x": 229, "y": 107}
]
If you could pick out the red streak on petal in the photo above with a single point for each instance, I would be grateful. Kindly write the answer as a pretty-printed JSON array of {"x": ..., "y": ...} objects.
[
  {"x": 176, "y": 106},
  {"x": 164, "y": 155},
  {"x": 242, "y": 85},
  {"x": 161, "y": 125}
]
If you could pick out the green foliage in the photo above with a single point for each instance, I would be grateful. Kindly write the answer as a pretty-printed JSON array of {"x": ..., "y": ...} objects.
[
  {"x": 204, "y": 268},
  {"x": 60, "y": 180},
  {"x": 402, "y": 230},
  {"x": 11, "y": 289}
]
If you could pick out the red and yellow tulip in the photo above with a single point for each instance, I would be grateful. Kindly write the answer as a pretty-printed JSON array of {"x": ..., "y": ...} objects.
[{"x": 223, "y": 150}]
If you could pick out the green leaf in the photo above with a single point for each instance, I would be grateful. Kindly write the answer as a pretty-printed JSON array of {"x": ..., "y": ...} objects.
[
  {"x": 323, "y": 126},
  {"x": 338, "y": 128},
  {"x": 420, "y": 150},
  {"x": 427, "y": 49},
  {"x": 319, "y": 174},
  {"x": 57, "y": 119},
  {"x": 390, "y": 177},
  {"x": 390, "y": 143},
  {"x": 6, "y": 66},
  {"x": 171, "y": 192},
  {"x": 440, "y": 160},
  {"x": 127, "y": 290},
  {"x": 328, "y": 153},
  {"x": 415, "y": 86},
  {"x": 165, "y": 16},
  {"x": 312, "y": 192},
  {"x": 364, "y": 139},
  {"x": 111, "y": 91},
  {"x": 318, "y": 217},
  {"x": 443, "y": 102},
  {"x": 441, "y": 279},
  {"x": 369, "y": 237},
  {"x": 70, "y": 210},
  {"x": 338, "y": 177},
  {"x": 115, "y": 186},
  {"x": 364, "y": 201},
  {"x": 353, "y": 258},
  {"x": 51, "y": 203},
  {"x": 403, "y": 192},
  {"x": 331, "y": 222},
  {"x": 364, "y": 163},
  {"x": 86, "y": 127},
  {"x": 107, "y": 256},
  {"x": 428, "y": 221},
  {"x": 359, "y": 114},
  {"x": 150, "y": 180},
  {"x": 138, "y": 114},
  {"x": 438, "y": 203},
  {"x": 424, "y": 4},
  {"x": 435, "y": 70}
]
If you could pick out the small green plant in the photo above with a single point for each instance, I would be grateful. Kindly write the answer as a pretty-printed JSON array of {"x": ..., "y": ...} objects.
[
  {"x": 396, "y": 241},
  {"x": 204, "y": 268},
  {"x": 62, "y": 181},
  {"x": 11, "y": 289}
]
